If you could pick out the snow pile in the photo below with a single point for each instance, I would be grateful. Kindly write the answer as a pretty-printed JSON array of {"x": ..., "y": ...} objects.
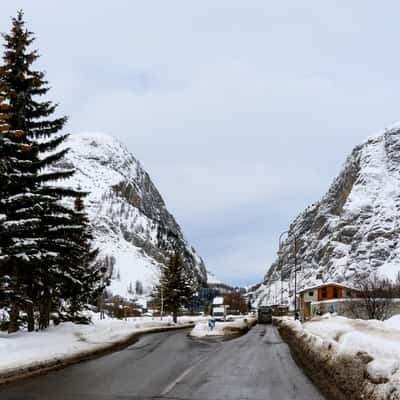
[
  {"x": 347, "y": 359},
  {"x": 380, "y": 340},
  {"x": 132, "y": 226},
  {"x": 27, "y": 349},
  {"x": 202, "y": 329},
  {"x": 381, "y": 370}
]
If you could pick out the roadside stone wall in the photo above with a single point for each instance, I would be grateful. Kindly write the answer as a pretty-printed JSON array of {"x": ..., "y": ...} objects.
[
  {"x": 349, "y": 308},
  {"x": 338, "y": 376},
  {"x": 340, "y": 308}
]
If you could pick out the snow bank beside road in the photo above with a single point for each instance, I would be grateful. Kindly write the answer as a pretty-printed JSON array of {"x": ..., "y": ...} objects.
[
  {"x": 380, "y": 339},
  {"x": 229, "y": 328},
  {"x": 348, "y": 359},
  {"x": 27, "y": 351}
]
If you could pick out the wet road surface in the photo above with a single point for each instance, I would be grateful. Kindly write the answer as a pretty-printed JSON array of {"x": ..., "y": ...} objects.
[{"x": 170, "y": 365}]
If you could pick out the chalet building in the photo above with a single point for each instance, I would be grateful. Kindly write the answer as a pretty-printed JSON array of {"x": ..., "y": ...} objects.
[{"x": 323, "y": 298}]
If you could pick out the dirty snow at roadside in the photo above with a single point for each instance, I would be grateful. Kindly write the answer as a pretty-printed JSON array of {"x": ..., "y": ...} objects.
[
  {"x": 221, "y": 328},
  {"x": 23, "y": 349},
  {"x": 380, "y": 339}
]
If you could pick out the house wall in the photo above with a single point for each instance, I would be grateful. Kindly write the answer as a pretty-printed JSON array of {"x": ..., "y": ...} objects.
[
  {"x": 308, "y": 297},
  {"x": 330, "y": 289},
  {"x": 320, "y": 305}
]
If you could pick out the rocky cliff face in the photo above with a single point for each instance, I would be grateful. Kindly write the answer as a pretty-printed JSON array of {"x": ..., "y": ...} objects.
[
  {"x": 352, "y": 231},
  {"x": 131, "y": 223}
]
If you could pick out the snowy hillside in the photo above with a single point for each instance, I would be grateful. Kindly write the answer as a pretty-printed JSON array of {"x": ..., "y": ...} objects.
[
  {"x": 130, "y": 220},
  {"x": 353, "y": 231}
]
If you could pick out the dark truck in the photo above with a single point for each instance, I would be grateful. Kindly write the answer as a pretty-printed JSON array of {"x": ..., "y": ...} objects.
[{"x": 264, "y": 315}]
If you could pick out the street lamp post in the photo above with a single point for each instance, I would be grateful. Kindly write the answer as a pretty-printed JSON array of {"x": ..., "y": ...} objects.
[
  {"x": 279, "y": 261},
  {"x": 295, "y": 267},
  {"x": 295, "y": 277}
]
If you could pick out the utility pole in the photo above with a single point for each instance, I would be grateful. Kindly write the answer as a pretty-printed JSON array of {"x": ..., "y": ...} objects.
[
  {"x": 295, "y": 278},
  {"x": 290, "y": 235},
  {"x": 162, "y": 302},
  {"x": 279, "y": 261}
]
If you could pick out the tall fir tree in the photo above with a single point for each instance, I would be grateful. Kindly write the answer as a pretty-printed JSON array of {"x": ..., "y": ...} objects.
[
  {"x": 39, "y": 235},
  {"x": 13, "y": 230},
  {"x": 86, "y": 278},
  {"x": 177, "y": 285}
]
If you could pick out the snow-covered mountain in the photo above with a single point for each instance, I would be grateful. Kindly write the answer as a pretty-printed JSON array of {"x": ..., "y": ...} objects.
[
  {"x": 214, "y": 283},
  {"x": 352, "y": 231},
  {"x": 131, "y": 223},
  {"x": 212, "y": 279}
]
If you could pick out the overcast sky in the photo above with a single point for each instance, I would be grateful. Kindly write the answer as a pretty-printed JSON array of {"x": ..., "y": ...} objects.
[{"x": 242, "y": 112}]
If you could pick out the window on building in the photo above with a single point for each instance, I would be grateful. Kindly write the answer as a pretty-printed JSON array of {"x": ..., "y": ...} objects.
[
  {"x": 335, "y": 293},
  {"x": 311, "y": 294},
  {"x": 323, "y": 293}
]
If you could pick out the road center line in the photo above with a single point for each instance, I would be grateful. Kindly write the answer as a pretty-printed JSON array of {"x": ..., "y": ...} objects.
[{"x": 181, "y": 377}]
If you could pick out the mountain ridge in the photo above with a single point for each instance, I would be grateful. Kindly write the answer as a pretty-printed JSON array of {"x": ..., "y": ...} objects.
[
  {"x": 352, "y": 231},
  {"x": 131, "y": 223}
]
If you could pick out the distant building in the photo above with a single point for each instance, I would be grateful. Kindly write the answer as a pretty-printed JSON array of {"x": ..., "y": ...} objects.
[
  {"x": 323, "y": 298},
  {"x": 218, "y": 301},
  {"x": 202, "y": 300},
  {"x": 219, "y": 309}
]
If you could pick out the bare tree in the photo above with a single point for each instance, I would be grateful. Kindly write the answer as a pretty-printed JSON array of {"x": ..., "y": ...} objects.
[
  {"x": 236, "y": 302},
  {"x": 373, "y": 298},
  {"x": 106, "y": 266}
]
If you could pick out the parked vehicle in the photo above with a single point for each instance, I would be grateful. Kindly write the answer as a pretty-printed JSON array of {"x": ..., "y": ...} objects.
[{"x": 264, "y": 315}]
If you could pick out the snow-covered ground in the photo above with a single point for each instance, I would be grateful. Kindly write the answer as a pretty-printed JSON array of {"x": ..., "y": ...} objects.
[
  {"x": 26, "y": 349},
  {"x": 202, "y": 329},
  {"x": 381, "y": 340}
]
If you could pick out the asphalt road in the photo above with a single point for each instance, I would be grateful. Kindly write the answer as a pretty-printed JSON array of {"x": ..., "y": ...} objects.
[{"x": 170, "y": 365}]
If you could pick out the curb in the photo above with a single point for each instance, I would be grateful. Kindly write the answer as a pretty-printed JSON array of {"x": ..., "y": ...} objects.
[{"x": 44, "y": 367}]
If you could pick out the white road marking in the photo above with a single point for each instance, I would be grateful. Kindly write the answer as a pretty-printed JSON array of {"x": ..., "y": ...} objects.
[{"x": 181, "y": 377}]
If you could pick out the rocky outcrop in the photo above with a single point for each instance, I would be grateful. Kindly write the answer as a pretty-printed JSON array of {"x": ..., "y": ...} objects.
[{"x": 352, "y": 231}]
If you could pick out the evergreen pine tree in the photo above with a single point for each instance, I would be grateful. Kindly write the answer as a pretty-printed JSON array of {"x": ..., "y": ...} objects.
[
  {"x": 15, "y": 227},
  {"x": 130, "y": 288},
  {"x": 7, "y": 285},
  {"x": 84, "y": 279},
  {"x": 36, "y": 237},
  {"x": 139, "y": 288},
  {"x": 176, "y": 287}
]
